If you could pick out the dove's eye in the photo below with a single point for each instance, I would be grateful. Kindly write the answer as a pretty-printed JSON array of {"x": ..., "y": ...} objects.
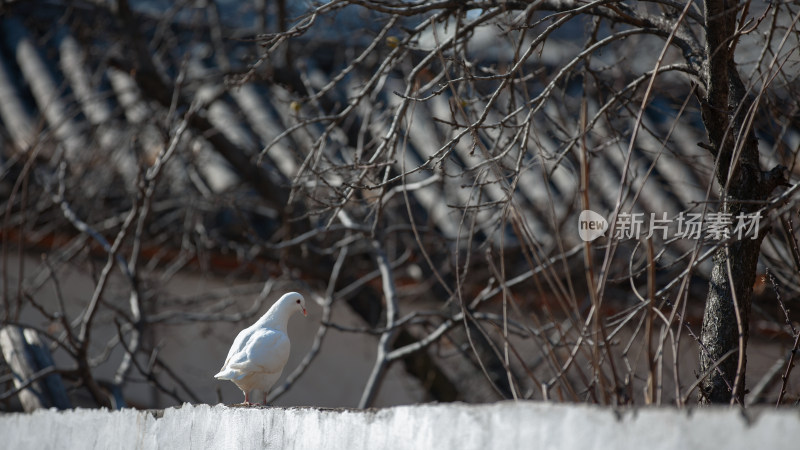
[{"x": 298, "y": 302}]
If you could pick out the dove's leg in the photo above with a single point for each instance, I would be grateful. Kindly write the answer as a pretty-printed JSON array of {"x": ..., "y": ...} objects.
[
  {"x": 246, "y": 398},
  {"x": 265, "y": 399}
]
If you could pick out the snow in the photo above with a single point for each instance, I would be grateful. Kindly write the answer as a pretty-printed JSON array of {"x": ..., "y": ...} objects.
[{"x": 499, "y": 425}]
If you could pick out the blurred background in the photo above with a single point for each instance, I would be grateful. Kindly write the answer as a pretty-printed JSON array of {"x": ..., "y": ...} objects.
[{"x": 416, "y": 170}]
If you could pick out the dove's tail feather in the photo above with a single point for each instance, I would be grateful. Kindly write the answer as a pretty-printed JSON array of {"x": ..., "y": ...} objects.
[{"x": 227, "y": 374}]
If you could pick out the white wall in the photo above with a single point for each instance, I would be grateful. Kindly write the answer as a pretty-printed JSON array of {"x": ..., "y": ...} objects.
[{"x": 503, "y": 425}]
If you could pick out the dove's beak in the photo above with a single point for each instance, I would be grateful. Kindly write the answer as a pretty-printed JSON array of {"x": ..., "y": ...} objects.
[{"x": 305, "y": 314}]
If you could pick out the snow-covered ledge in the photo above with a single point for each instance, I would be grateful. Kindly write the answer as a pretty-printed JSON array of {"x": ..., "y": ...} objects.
[{"x": 500, "y": 425}]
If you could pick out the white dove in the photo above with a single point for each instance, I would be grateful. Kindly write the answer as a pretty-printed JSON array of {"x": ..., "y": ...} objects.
[{"x": 260, "y": 351}]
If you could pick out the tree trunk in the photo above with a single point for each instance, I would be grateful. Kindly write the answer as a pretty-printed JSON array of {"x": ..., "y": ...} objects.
[
  {"x": 725, "y": 107},
  {"x": 720, "y": 336},
  {"x": 29, "y": 360}
]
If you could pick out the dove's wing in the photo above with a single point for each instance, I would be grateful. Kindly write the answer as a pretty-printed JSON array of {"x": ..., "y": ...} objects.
[
  {"x": 237, "y": 346},
  {"x": 266, "y": 350}
]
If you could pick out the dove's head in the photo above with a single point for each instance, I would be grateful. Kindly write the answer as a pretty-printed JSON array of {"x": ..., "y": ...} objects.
[{"x": 297, "y": 301}]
